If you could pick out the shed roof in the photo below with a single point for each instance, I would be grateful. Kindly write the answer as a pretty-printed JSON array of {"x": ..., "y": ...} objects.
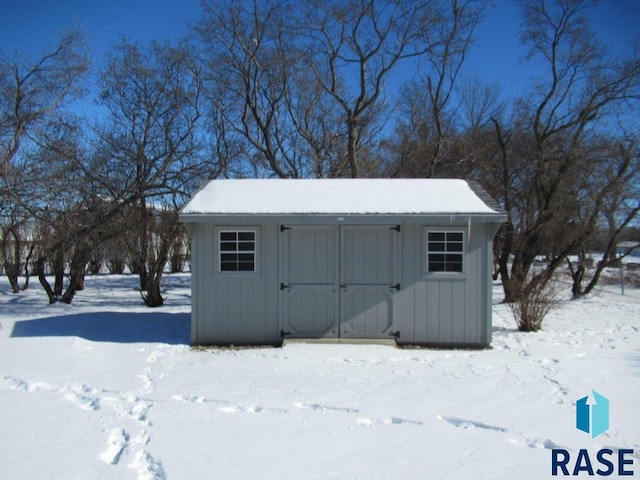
[{"x": 341, "y": 196}]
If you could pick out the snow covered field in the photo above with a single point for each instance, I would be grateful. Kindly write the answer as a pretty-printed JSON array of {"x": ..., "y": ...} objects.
[{"x": 108, "y": 389}]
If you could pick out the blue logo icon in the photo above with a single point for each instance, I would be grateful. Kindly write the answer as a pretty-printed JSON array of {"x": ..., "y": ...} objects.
[{"x": 592, "y": 414}]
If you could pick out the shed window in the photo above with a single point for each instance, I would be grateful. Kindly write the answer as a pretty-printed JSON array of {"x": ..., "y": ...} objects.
[
  {"x": 445, "y": 252},
  {"x": 238, "y": 251}
]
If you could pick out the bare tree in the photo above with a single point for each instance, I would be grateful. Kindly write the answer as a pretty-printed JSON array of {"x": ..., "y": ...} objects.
[
  {"x": 428, "y": 129},
  {"x": 149, "y": 139},
  {"x": 352, "y": 49},
  {"x": 33, "y": 97},
  {"x": 304, "y": 84},
  {"x": 33, "y": 94},
  {"x": 16, "y": 243},
  {"x": 72, "y": 217},
  {"x": 581, "y": 90},
  {"x": 249, "y": 53},
  {"x": 613, "y": 190}
]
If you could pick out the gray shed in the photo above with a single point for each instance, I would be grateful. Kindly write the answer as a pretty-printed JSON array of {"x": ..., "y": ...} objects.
[{"x": 409, "y": 259}]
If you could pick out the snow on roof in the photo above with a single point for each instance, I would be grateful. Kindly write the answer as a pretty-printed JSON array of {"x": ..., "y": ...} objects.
[{"x": 338, "y": 196}]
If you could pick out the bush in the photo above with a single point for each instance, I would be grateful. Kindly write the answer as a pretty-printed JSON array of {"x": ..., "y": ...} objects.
[{"x": 532, "y": 304}]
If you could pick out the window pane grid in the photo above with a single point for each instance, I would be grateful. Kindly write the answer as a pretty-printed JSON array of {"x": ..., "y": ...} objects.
[
  {"x": 445, "y": 252},
  {"x": 237, "y": 251}
]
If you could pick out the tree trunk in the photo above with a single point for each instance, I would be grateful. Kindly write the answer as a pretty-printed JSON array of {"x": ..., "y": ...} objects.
[
  {"x": 143, "y": 246},
  {"x": 577, "y": 276},
  {"x": 153, "y": 296},
  {"x": 11, "y": 260},
  {"x": 27, "y": 273},
  {"x": 507, "y": 233},
  {"x": 58, "y": 271},
  {"x": 43, "y": 279},
  {"x": 13, "y": 282},
  {"x": 352, "y": 146},
  {"x": 77, "y": 268},
  {"x": 75, "y": 284}
]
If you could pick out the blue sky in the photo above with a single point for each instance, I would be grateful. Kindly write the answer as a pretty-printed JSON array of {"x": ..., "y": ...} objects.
[{"x": 31, "y": 26}]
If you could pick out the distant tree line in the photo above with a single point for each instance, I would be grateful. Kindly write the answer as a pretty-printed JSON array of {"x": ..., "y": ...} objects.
[{"x": 266, "y": 88}]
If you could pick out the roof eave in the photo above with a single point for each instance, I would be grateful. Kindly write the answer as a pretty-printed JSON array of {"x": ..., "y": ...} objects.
[{"x": 338, "y": 218}]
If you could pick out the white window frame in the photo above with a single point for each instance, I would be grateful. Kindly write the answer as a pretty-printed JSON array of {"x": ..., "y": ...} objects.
[
  {"x": 219, "y": 251},
  {"x": 428, "y": 253}
]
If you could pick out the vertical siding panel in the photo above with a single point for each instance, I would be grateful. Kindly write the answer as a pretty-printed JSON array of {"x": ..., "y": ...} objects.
[
  {"x": 260, "y": 312},
  {"x": 481, "y": 269},
  {"x": 267, "y": 330},
  {"x": 420, "y": 306},
  {"x": 308, "y": 257},
  {"x": 446, "y": 310},
  {"x": 385, "y": 245},
  {"x": 244, "y": 296},
  {"x": 418, "y": 319},
  {"x": 486, "y": 295},
  {"x": 433, "y": 311},
  {"x": 259, "y": 308},
  {"x": 483, "y": 291},
  {"x": 321, "y": 258},
  {"x": 282, "y": 277},
  {"x": 337, "y": 278},
  {"x": 200, "y": 268},
  {"x": 196, "y": 284},
  {"x": 424, "y": 293},
  {"x": 405, "y": 298},
  {"x": 207, "y": 285},
  {"x": 474, "y": 284},
  {"x": 458, "y": 319},
  {"x": 295, "y": 256},
  {"x": 218, "y": 328}
]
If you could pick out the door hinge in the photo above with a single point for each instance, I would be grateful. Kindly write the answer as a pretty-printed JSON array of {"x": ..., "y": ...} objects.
[
  {"x": 283, "y": 286},
  {"x": 395, "y": 334},
  {"x": 283, "y": 228},
  {"x": 395, "y": 287},
  {"x": 396, "y": 228},
  {"x": 284, "y": 334}
]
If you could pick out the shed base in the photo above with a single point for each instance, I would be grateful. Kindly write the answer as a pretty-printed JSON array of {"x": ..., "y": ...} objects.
[{"x": 343, "y": 341}]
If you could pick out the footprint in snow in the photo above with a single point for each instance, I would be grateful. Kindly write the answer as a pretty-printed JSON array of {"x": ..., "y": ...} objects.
[
  {"x": 523, "y": 440},
  {"x": 536, "y": 443},
  {"x": 148, "y": 467},
  {"x": 372, "y": 422},
  {"x": 323, "y": 408},
  {"x": 464, "y": 423},
  {"x": 241, "y": 409},
  {"x": 118, "y": 440},
  {"x": 86, "y": 403},
  {"x": 14, "y": 383}
]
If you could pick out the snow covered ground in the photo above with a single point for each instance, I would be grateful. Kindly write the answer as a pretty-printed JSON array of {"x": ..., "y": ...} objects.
[{"x": 108, "y": 389}]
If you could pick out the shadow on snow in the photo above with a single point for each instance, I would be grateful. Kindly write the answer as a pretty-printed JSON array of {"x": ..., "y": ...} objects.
[{"x": 170, "y": 328}]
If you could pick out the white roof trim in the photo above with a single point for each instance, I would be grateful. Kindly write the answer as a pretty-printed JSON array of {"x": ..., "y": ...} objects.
[{"x": 337, "y": 196}]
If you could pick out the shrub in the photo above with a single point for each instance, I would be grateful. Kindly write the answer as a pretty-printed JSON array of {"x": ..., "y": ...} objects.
[{"x": 532, "y": 304}]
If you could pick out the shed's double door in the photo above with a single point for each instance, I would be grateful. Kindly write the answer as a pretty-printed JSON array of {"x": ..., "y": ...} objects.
[{"x": 338, "y": 281}]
